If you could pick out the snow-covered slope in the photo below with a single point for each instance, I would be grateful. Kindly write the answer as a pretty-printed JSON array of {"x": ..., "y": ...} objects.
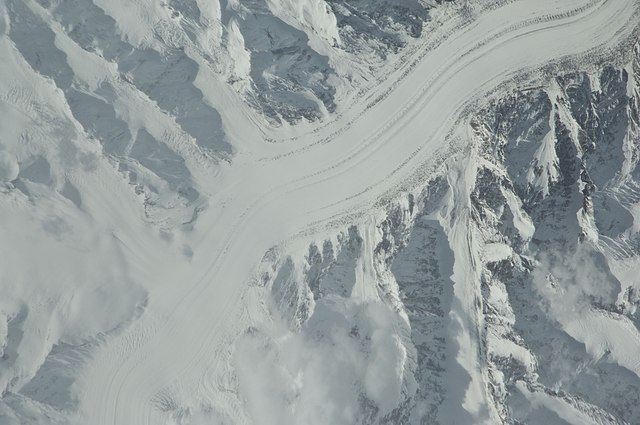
[{"x": 319, "y": 212}]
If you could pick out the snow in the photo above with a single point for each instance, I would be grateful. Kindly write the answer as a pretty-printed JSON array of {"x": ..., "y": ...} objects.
[
  {"x": 566, "y": 412},
  {"x": 497, "y": 251},
  {"x": 546, "y": 158},
  {"x": 365, "y": 288},
  {"x": 9, "y": 167},
  {"x": 106, "y": 263}
]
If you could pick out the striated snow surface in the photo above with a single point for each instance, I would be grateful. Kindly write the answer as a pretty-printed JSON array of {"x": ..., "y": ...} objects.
[{"x": 319, "y": 212}]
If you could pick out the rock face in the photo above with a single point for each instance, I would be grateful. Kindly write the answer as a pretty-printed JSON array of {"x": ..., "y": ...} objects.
[{"x": 519, "y": 253}]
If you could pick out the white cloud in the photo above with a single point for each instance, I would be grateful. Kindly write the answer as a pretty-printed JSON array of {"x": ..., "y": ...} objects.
[
  {"x": 345, "y": 354},
  {"x": 570, "y": 284}
]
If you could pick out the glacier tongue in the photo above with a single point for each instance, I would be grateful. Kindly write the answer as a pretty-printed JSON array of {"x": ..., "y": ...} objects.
[{"x": 319, "y": 212}]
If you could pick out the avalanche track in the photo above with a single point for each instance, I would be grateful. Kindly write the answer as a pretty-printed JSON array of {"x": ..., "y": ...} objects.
[{"x": 274, "y": 191}]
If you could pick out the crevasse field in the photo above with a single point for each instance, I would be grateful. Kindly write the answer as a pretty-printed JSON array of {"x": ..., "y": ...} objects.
[{"x": 319, "y": 212}]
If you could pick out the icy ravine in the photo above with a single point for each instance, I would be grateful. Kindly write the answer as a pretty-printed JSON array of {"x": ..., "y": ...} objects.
[{"x": 264, "y": 201}]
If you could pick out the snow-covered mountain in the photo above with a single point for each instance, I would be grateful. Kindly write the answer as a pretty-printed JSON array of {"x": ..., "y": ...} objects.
[
  {"x": 319, "y": 212},
  {"x": 532, "y": 226}
]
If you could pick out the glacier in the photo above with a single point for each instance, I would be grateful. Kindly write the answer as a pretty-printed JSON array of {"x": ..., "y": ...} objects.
[{"x": 319, "y": 212}]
